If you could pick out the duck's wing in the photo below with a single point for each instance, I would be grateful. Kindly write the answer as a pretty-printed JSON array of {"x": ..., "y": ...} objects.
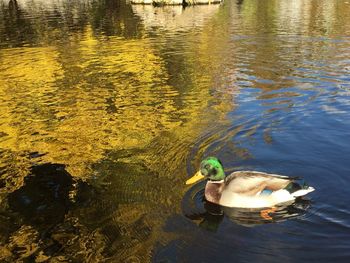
[{"x": 251, "y": 183}]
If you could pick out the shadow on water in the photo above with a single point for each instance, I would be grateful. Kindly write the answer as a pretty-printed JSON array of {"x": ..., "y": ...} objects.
[
  {"x": 44, "y": 200},
  {"x": 209, "y": 216},
  {"x": 40, "y": 208},
  {"x": 57, "y": 214}
]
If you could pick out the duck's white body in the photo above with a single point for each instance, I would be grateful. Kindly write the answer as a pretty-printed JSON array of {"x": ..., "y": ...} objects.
[{"x": 242, "y": 201}]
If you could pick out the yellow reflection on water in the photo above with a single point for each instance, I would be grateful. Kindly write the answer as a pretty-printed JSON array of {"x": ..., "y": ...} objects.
[
  {"x": 43, "y": 110},
  {"x": 75, "y": 102}
]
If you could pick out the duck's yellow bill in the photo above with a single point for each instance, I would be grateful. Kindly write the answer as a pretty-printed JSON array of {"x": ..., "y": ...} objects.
[{"x": 198, "y": 176}]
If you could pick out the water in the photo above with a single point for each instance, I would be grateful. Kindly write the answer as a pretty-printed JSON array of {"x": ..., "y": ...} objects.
[{"x": 106, "y": 109}]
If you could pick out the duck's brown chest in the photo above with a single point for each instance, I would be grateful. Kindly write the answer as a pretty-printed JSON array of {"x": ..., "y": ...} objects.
[{"x": 213, "y": 192}]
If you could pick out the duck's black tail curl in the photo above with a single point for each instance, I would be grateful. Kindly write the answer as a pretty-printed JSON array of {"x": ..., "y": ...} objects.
[{"x": 296, "y": 186}]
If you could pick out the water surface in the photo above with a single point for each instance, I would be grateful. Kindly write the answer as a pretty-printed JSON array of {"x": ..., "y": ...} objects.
[{"x": 107, "y": 108}]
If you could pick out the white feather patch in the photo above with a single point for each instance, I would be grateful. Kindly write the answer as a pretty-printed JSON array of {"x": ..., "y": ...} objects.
[{"x": 303, "y": 192}]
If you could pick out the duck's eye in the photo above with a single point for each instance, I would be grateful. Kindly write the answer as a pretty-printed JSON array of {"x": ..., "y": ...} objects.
[
  {"x": 214, "y": 171},
  {"x": 204, "y": 171}
]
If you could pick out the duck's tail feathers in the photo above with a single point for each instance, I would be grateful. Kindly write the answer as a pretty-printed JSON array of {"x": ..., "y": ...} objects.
[{"x": 303, "y": 191}]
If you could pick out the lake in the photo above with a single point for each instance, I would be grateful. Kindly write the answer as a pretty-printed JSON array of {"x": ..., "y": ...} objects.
[{"x": 106, "y": 109}]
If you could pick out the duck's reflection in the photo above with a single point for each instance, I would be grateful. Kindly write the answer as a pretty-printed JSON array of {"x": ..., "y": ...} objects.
[
  {"x": 211, "y": 218},
  {"x": 252, "y": 217}
]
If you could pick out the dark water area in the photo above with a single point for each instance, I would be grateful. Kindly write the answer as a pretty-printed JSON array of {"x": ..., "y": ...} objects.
[{"x": 106, "y": 109}]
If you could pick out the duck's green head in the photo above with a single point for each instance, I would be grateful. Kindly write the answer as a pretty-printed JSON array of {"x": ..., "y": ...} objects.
[{"x": 210, "y": 168}]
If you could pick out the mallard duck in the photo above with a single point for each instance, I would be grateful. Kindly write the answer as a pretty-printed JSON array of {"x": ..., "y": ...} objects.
[{"x": 247, "y": 189}]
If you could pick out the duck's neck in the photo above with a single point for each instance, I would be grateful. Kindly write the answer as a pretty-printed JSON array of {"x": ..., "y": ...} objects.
[{"x": 213, "y": 190}]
